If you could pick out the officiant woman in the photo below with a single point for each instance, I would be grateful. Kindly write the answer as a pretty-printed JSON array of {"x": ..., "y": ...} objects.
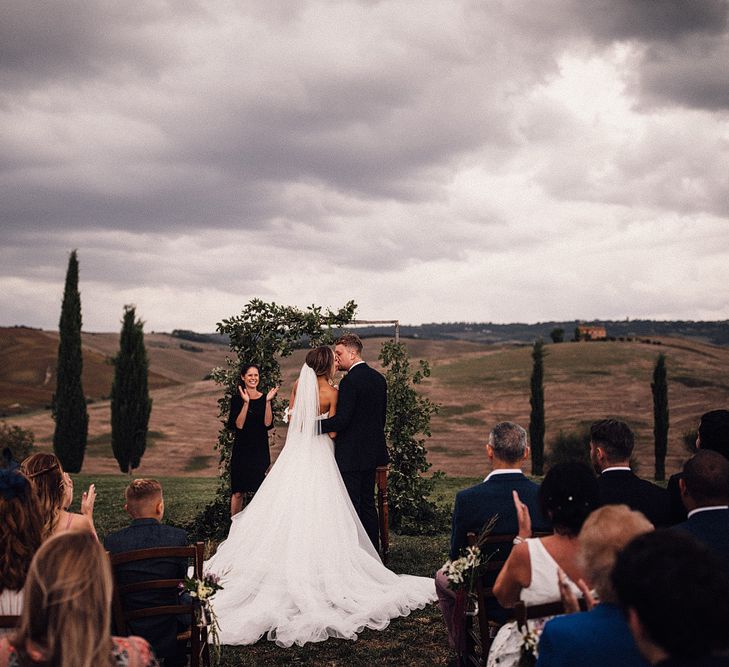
[{"x": 250, "y": 420}]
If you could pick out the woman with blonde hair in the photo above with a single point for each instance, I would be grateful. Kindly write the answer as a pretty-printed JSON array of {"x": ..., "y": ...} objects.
[
  {"x": 54, "y": 489},
  {"x": 67, "y": 611},
  {"x": 603, "y": 634},
  {"x": 20, "y": 536}
]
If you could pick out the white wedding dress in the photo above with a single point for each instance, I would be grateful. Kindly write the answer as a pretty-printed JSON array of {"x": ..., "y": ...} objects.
[{"x": 297, "y": 563}]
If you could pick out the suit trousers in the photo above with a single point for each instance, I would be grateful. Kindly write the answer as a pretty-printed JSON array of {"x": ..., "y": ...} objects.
[{"x": 361, "y": 489}]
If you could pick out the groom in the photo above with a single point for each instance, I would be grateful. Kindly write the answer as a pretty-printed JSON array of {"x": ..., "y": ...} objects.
[{"x": 360, "y": 426}]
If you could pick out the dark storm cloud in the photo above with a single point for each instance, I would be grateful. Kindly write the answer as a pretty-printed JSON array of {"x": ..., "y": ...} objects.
[
  {"x": 650, "y": 20},
  {"x": 74, "y": 40}
]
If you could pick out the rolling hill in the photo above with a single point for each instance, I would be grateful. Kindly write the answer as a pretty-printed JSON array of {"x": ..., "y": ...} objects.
[{"x": 476, "y": 385}]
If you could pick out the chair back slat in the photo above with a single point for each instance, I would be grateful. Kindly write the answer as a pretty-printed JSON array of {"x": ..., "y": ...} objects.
[{"x": 9, "y": 621}]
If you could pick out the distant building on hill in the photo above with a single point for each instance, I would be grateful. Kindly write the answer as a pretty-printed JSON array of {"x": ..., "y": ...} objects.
[{"x": 591, "y": 332}]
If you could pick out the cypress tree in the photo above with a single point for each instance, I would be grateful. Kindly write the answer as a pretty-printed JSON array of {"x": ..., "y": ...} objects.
[
  {"x": 130, "y": 401},
  {"x": 536, "y": 418},
  {"x": 659, "y": 387},
  {"x": 69, "y": 402}
]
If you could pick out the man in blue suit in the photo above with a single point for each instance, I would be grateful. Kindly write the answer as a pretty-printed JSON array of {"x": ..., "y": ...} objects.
[
  {"x": 704, "y": 489},
  {"x": 494, "y": 497},
  {"x": 145, "y": 505}
]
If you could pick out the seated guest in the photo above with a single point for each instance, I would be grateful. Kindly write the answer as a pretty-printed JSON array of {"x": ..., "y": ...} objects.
[
  {"x": 603, "y": 633},
  {"x": 705, "y": 491},
  {"x": 713, "y": 434},
  {"x": 7, "y": 461},
  {"x": 67, "y": 611},
  {"x": 20, "y": 536},
  {"x": 567, "y": 496},
  {"x": 54, "y": 489},
  {"x": 474, "y": 507},
  {"x": 145, "y": 505},
  {"x": 675, "y": 593},
  {"x": 611, "y": 445}
]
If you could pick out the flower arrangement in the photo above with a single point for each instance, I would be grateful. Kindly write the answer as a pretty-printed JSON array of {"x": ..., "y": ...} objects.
[
  {"x": 202, "y": 591},
  {"x": 462, "y": 572}
]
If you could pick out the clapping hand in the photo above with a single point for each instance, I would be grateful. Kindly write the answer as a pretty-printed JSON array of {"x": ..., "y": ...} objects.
[
  {"x": 270, "y": 395},
  {"x": 523, "y": 517},
  {"x": 243, "y": 394},
  {"x": 87, "y": 503},
  {"x": 571, "y": 605}
]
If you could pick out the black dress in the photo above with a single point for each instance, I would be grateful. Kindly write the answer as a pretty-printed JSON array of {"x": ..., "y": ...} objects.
[{"x": 251, "y": 457}]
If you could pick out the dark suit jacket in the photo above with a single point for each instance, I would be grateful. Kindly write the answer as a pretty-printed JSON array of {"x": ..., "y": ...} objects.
[
  {"x": 145, "y": 534},
  {"x": 711, "y": 528},
  {"x": 623, "y": 487},
  {"x": 360, "y": 420},
  {"x": 599, "y": 638},
  {"x": 476, "y": 506}
]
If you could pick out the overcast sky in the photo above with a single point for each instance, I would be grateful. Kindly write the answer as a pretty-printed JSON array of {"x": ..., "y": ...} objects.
[{"x": 477, "y": 160}]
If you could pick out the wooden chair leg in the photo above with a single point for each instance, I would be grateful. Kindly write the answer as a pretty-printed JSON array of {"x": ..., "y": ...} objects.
[{"x": 383, "y": 512}]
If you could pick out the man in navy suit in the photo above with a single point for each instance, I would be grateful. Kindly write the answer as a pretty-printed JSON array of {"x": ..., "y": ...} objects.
[
  {"x": 611, "y": 445},
  {"x": 713, "y": 434},
  {"x": 494, "y": 497},
  {"x": 360, "y": 427},
  {"x": 145, "y": 504},
  {"x": 705, "y": 492}
]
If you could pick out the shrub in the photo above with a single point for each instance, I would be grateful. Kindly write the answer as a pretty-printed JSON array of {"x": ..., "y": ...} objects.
[
  {"x": 18, "y": 440},
  {"x": 573, "y": 446}
]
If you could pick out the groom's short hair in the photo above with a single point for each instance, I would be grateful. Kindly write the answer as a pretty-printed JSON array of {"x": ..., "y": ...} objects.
[
  {"x": 352, "y": 341},
  {"x": 509, "y": 441}
]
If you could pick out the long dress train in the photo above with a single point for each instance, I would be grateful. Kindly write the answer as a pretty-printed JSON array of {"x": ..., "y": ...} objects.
[{"x": 297, "y": 563}]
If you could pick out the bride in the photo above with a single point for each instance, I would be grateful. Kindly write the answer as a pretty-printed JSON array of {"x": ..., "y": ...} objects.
[{"x": 297, "y": 563}]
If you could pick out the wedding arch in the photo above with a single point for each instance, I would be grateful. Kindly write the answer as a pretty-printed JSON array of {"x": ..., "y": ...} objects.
[{"x": 263, "y": 333}]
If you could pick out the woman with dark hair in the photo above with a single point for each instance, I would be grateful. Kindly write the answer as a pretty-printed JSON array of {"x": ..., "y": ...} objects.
[
  {"x": 250, "y": 420},
  {"x": 567, "y": 495},
  {"x": 21, "y": 530}
]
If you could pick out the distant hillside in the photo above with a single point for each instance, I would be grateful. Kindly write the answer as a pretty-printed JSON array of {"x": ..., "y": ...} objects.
[
  {"x": 488, "y": 332},
  {"x": 475, "y": 384},
  {"x": 28, "y": 365}
]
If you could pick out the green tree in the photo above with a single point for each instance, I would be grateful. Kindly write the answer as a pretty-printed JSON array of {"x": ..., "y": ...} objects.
[
  {"x": 69, "y": 402},
  {"x": 557, "y": 335},
  {"x": 577, "y": 336},
  {"x": 408, "y": 416},
  {"x": 659, "y": 387},
  {"x": 261, "y": 334},
  {"x": 536, "y": 418},
  {"x": 130, "y": 401}
]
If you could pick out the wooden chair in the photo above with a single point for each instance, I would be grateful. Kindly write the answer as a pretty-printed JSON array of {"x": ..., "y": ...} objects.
[
  {"x": 196, "y": 636},
  {"x": 480, "y": 634},
  {"x": 524, "y": 612},
  {"x": 383, "y": 511}
]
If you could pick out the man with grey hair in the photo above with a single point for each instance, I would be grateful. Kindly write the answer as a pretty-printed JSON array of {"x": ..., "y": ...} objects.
[{"x": 507, "y": 450}]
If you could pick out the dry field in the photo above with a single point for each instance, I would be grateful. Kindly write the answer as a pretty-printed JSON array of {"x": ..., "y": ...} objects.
[{"x": 476, "y": 385}]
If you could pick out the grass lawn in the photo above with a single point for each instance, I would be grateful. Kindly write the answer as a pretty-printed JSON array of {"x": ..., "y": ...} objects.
[{"x": 418, "y": 639}]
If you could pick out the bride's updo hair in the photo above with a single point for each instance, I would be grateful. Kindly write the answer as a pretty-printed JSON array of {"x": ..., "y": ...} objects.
[{"x": 320, "y": 360}]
